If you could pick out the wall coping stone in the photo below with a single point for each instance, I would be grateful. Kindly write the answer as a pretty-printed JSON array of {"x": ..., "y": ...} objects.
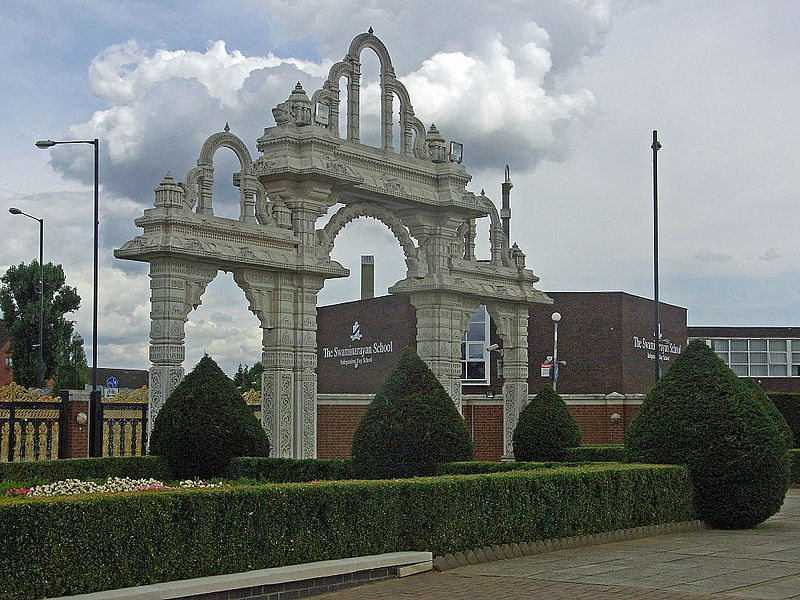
[{"x": 262, "y": 577}]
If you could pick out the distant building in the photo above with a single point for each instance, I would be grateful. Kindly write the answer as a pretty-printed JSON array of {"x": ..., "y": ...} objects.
[
  {"x": 770, "y": 355},
  {"x": 605, "y": 338}
]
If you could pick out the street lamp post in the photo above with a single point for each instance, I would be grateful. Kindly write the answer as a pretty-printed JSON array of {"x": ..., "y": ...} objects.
[
  {"x": 16, "y": 211},
  {"x": 556, "y": 318},
  {"x": 656, "y": 146},
  {"x": 95, "y": 426}
]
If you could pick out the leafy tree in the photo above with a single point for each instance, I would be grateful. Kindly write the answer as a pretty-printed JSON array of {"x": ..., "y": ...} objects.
[
  {"x": 19, "y": 301},
  {"x": 248, "y": 379},
  {"x": 410, "y": 426},
  {"x": 545, "y": 428},
  {"x": 72, "y": 373},
  {"x": 204, "y": 424},
  {"x": 700, "y": 414}
]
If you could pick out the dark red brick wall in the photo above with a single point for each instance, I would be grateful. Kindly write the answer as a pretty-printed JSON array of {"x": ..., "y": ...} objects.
[
  {"x": 382, "y": 320},
  {"x": 595, "y": 337},
  {"x": 78, "y": 440},
  {"x": 336, "y": 425},
  {"x": 596, "y": 425},
  {"x": 485, "y": 423}
]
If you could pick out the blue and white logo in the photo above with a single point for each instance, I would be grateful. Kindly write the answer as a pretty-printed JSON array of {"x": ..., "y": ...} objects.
[{"x": 356, "y": 332}]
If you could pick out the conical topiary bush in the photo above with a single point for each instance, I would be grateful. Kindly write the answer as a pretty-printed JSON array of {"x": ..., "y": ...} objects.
[
  {"x": 545, "y": 428},
  {"x": 772, "y": 410},
  {"x": 204, "y": 424},
  {"x": 410, "y": 426},
  {"x": 701, "y": 415}
]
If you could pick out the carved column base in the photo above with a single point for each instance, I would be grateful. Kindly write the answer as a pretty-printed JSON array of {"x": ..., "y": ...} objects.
[
  {"x": 277, "y": 416},
  {"x": 162, "y": 381},
  {"x": 515, "y": 398}
]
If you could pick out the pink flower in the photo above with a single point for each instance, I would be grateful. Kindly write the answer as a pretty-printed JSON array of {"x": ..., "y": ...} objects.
[{"x": 17, "y": 492}]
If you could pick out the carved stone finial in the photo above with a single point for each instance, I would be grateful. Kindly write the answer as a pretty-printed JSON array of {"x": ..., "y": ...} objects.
[
  {"x": 296, "y": 110},
  {"x": 169, "y": 193},
  {"x": 370, "y": 29},
  {"x": 483, "y": 192},
  {"x": 227, "y": 127},
  {"x": 518, "y": 257},
  {"x": 435, "y": 144}
]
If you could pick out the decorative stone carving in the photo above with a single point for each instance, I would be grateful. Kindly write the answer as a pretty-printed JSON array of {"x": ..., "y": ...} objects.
[{"x": 281, "y": 261}]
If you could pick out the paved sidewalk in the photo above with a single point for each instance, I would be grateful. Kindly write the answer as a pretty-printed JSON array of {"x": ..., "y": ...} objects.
[{"x": 763, "y": 562}]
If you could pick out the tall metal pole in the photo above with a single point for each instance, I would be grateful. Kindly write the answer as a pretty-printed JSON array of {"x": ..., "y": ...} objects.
[
  {"x": 95, "y": 423},
  {"x": 41, "y": 302},
  {"x": 95, "y": 410},
  {"x": 656, "y": 146}
]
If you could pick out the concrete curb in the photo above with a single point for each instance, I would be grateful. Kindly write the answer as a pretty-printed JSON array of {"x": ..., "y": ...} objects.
[{"x": 516, "y": 550}]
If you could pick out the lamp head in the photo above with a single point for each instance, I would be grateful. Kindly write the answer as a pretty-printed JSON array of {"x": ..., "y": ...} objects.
[
  {"x": 556, "y": 317},
  {"x": 44, "y": 144},
  {"x": 14, "y": 211}
]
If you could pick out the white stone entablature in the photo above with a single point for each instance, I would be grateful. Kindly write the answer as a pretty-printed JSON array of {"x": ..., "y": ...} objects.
[{"x": 281, "y": 260}]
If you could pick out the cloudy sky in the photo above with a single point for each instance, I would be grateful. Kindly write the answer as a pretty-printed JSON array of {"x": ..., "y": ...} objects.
[{"x": 566, "y": 92}]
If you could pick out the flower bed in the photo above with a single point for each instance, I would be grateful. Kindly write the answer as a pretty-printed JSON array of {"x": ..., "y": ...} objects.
[{"x": 69, "y": 487}]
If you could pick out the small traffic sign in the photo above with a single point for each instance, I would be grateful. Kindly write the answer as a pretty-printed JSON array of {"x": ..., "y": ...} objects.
[
  {"x": 545, "y": 369},
  {"x": 112, "y": 382},
  {"x": 110, "y": 392}
]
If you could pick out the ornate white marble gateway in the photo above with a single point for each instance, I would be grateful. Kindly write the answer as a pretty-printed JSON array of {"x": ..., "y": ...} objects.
[{"x": 281, "y": 260}]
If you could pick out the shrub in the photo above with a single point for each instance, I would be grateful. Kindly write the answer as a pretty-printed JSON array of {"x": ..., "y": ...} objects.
[
  {"x": 545, "y": 428},
  {"x": 596, "y": 453},
  {"x": 772, "y": 410},
  {"x": 789, "y": 406},
  {"x": 286, "y": 470},
  {"x": 48, "y": 471},
  {"x": 73, "y": 545},
  {"x": 204, "y": 423},
  {"x": 410, "y": 426},
  {"x": 794, "y": 468},
  {"x": 473, "y": 467},
  {"x": 701, "y": 415}
]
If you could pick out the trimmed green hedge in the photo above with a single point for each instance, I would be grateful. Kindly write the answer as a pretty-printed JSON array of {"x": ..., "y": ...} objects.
[
  {"x": 289, "y": 470},
  {"x": 473, "y": 467},
  {"x": 794, "y": 465},
  {"x": 596, "y": 453},
  {"x": 60, "y": 546},
  {"x": 789, "y": 405},
  {"x": 48, "y": 471}
]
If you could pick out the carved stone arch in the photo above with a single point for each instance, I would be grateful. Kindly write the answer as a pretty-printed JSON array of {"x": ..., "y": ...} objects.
[
  {"x": 327, "y": 235},
  {"x": 412, "y": 145},
  {"x": 501, "y": 254},
  {"x": 370, "y": 40},
  {"x": 202, "y": 176}
]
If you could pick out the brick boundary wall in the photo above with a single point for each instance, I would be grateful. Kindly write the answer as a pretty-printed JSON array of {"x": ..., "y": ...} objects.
[{"x": 601, "y": 418}]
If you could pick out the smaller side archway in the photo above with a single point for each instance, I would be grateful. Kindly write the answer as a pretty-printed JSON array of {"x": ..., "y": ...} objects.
[{"x": 200, "y": 179}]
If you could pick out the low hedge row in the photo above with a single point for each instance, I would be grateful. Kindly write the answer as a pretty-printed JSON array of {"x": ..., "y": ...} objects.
[
  {"x": 596, "y": 453},
  {"x": 60, "y": 546},
  {"x": 474, "y": 467},
  {"x": 289, "y": 470},
  {"x": 48, "y": 471}
]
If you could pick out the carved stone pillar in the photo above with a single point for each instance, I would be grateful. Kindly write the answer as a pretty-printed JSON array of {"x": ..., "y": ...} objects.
[
  {"x": 285, "y": 305},
  {"x": 511, "y": 321},
  {"x": 442, "y": 319},
  {"x": 175, "y": 289}
]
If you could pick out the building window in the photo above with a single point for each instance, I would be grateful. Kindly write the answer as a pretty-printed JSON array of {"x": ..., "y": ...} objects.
[
  {"x": 759, "y": 357},
  {"x": 474, "y": 356}
]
